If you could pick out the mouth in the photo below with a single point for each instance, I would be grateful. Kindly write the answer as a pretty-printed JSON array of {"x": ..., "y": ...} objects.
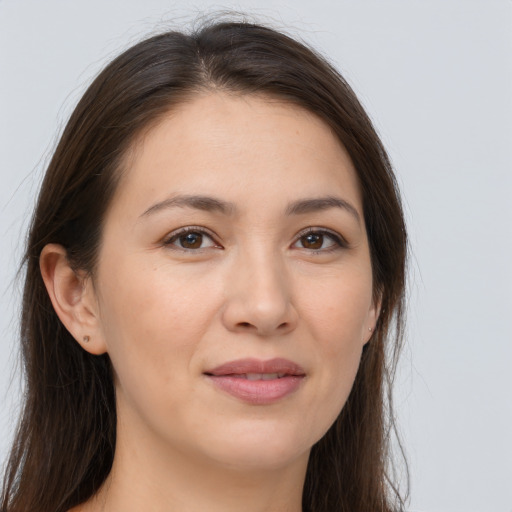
[
  {"x": 251, "y": 368},
  {"x": 257, "y": 382},
  {"x": 257, "y": 376}
]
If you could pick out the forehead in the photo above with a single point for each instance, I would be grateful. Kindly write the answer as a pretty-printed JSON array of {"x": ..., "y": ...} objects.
[{"x": 235, "y": 144}]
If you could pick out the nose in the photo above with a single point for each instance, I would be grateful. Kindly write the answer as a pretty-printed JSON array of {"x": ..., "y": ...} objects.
[{"x": 258, "y": 298}]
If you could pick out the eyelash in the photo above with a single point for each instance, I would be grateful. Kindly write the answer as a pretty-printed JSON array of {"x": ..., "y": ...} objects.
[
  {"x": 339, "y": 241},
  {"x": 176, "y": 235}
]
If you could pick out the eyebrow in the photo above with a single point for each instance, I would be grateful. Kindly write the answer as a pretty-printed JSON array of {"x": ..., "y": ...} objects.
[
  {"x": 212, "y": 204},
  {"x": 204, "y": 203},
  {"x": 319, "y": 204}
]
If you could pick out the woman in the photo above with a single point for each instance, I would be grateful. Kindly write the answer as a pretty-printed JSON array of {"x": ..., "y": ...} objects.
[{"x": 214, "y": 263}]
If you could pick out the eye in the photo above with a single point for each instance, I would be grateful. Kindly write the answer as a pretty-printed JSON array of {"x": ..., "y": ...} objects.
[
  {"x": 190, "y": 239},
  {"x": 320, "y": 240}
]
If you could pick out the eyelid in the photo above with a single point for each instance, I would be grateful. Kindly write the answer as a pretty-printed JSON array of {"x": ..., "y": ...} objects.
[
  {"x": 340, "y": 240},
  {"x": 173, "y": 235}
]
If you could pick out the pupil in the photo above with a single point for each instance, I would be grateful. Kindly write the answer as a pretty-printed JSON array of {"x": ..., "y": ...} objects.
[
  {"x": 312, "y": 241},
  {"x": 191, "y": 240}
]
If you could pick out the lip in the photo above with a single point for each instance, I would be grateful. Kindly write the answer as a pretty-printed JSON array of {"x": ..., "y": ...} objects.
[{"x": 231, "y": 378}]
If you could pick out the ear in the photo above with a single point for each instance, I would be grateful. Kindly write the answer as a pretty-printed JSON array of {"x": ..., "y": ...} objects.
[
  {"x": 73, "y": 298},
  {"x": 372, "y": 318}
]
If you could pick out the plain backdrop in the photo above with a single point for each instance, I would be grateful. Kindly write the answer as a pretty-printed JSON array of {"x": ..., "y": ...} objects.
[{"x": 436, "y": 78}]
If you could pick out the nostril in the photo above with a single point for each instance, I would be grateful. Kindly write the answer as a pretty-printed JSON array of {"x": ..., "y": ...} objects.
[{"x": 284, "y": 326}]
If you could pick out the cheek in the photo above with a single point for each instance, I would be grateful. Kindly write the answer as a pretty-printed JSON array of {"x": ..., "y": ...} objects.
[
  {"x": 337, "y": 312},
  {"x": 337, "y": 315},
  {"x": 152, "y": 322},
  {"x": 153, "y": 327},
  {"x": 151, "y": 303}
]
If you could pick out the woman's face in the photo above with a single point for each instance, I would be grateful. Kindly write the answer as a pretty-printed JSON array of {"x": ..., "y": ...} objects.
[{"x": 234, "y": 284}]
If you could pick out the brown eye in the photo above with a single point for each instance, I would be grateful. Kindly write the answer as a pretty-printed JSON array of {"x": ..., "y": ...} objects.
[
  {"x": 312, "y": 241},
  {"x": 320, "y": 241},
  {"x": 191, "y": 240}
]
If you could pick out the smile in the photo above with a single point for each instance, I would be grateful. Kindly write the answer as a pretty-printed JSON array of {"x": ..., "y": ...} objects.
[
  {"x": 260, "y": 376},
  {"x": 257, "y": 382}
]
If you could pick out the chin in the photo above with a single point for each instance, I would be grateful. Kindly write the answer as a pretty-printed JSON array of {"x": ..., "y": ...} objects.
[
  {"x": 260, "y": 449},
  {"x": 260, "y": 460}
]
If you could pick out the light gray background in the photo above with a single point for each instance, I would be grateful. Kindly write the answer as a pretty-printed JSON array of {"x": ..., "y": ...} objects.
[{"x": 436, "y": 77}]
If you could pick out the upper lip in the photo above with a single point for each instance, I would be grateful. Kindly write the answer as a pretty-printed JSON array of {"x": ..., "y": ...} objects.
[{"x": 251, "y": 365}]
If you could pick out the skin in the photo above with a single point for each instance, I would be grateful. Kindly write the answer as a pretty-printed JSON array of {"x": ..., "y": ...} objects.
[{"x": 252, "y": 285}]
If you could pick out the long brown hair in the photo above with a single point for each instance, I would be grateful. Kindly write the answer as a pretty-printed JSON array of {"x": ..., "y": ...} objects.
[{"x": 66, "y": 437}]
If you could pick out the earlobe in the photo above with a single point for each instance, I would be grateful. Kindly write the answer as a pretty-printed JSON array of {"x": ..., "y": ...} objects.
[{"x": 73, "y": 298}]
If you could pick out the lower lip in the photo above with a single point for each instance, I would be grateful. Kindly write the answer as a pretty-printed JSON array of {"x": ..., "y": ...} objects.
[{"x": 257, "y": 392}]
